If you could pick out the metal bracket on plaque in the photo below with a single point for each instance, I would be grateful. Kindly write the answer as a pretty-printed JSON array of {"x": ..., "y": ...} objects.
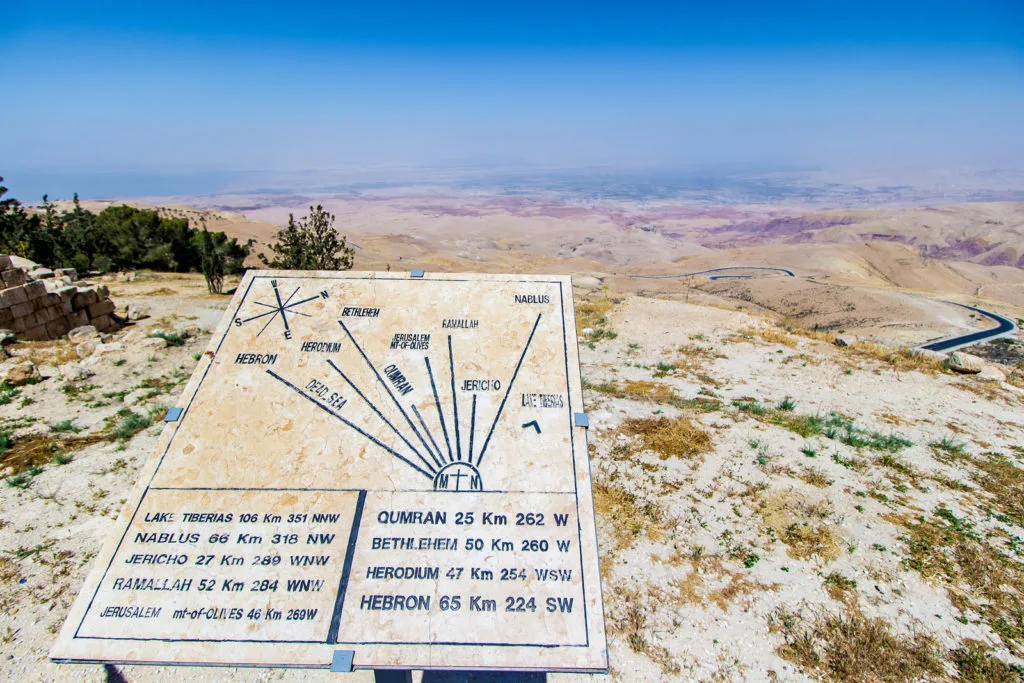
[
  {"x": 341, "y": 662},
  {"x": 173, "y": 414},
  {"x": 416, "y": 273},
  {"x": 581, "y": 420}
]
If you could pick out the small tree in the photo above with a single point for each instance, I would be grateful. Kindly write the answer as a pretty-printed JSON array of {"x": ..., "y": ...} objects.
[
  {"x": 212, "y": 261},
  {"x": 311, "y": 243}
]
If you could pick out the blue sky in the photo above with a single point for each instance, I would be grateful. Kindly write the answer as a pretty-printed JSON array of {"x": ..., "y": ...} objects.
[{"x": 189, "y": 87}]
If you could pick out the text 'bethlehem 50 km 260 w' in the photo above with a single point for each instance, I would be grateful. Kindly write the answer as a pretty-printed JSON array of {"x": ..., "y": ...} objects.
[{"x": 368, "y": 462}]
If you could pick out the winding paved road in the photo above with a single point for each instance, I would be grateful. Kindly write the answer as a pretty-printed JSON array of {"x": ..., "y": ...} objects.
[
  {"x": 716, "y": 270},
  {"x": 1004, "y": 327}
]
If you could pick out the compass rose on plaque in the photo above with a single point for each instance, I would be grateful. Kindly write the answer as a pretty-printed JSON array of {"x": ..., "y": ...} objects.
[{"x": 282, "y": 307}]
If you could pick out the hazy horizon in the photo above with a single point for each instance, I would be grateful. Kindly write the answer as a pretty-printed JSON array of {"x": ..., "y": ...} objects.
[{"x": 179, "y": 99}]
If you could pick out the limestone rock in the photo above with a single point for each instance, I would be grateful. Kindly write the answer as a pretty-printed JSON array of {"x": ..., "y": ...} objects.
[
  {"x": 19, "y": 374},
  {"x": 964, "y": 363},
  {"x": 86, "y": 348},
  {"x": 23, "y": 263},
  {"x": 845, "y": 340},
  {"x": 135, "y": 312},
  {"x": 47, "y": 371},
  {"x": 188, "y": 331},
  {"x": 928, "y": 354},
  {"x": 587, "y": 331},
  {"x": 153, "y": 343},
  {"x": 40, "y": 273},
  {"x": 990, "y": 373},
  {"x": 74, "y": 372},
  {"x": 83, "y": 333},
  {"x": 108, "y": 348}
]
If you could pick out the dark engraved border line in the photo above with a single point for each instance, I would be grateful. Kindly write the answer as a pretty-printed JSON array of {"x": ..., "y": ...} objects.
[
  {"x": 383, "y": 384},
  {"x": 346, "y": 571},
  {"x": 440, "y": 413},
  {"x": 508, "y": 390},
  {"x": 436, "y": 454},
  {"x": 575, "y": 478},
  {"x": 318, "y": 642},
  {"x": 262, "y": 488},
  {"x": 327, "y": 410},
  {"x": 455, "y": 400},
  {"x": 381, "y": 416}
]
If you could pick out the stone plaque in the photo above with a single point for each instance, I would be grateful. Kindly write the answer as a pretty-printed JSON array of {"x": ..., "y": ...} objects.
[{"x": 368, "y": 462}]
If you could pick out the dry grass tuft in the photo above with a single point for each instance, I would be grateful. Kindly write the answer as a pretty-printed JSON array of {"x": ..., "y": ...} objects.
[
  {"x": 794, "y": 327},
  {"x": 680, "y": 437},
  {"x": 55, "y": 352},
  {"x": 975, "y": 663},
  {"x": 850, "y": 646},
  {"x": 628, "y": 616},
  {"x": 8, "y": 574},
  {"x": 976, "y": 575},
  {"x": 803, "y": 524},
  {"x": 593, "y": 313},
  {"x": 628, "y": 515},
  {"x": 815, "y": 477},
  {"x": 644, "y": 390},
  {"x": 772, "y": 335},
  {"x": 35, "y": 451},
  {"x": 900, "y": 359}
]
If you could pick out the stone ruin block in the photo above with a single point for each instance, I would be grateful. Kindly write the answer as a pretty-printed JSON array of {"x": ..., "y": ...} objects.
[
  {"x": 14, "y": 296},
  {"x": 38, "y": 303},
  {"x": 84, "y": 298},
  {"x": 14, "y": 277},
  {"x": 101, "y": 308}
]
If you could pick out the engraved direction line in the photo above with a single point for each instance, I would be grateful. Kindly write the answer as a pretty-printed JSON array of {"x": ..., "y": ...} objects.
[
  {"x": 508, "y": 391},
  {"x": 455, "y": 400},
  {"x": 381, "y": 416},
  {"x": 383, "y": 384},
  {"x": 440, "y": 413},
  {"x": 472, "y": 428},
  {"x": 390, "y": 450},
  {"x": 437, "y": 449},
  {"x": 280, "y": 305}
]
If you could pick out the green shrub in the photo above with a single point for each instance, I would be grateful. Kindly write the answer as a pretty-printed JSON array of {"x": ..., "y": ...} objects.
[{"x": 66, "y": 427}]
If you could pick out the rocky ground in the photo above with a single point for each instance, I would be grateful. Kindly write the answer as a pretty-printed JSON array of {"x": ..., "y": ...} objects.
[{"x": 770, "y": 506}]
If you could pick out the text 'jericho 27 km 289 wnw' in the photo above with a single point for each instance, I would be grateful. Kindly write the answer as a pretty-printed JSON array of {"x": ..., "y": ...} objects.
[{"x": 367, "y": 462}]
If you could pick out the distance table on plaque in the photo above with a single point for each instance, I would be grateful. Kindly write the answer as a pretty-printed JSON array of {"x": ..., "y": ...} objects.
[{"x": 367, "y": 462}]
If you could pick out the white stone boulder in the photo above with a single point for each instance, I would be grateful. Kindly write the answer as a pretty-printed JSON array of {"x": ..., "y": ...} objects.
[
  {"x": 75, "y": 372},
  {"x": 83, "y": 333},
  {"x": 111, "y": 347},
  {"x": 991, "y": 373},
  {"x": 964, "y": 363},
  {"x": 86, "y": 348},
  {"x": 19, "y": 374}
]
